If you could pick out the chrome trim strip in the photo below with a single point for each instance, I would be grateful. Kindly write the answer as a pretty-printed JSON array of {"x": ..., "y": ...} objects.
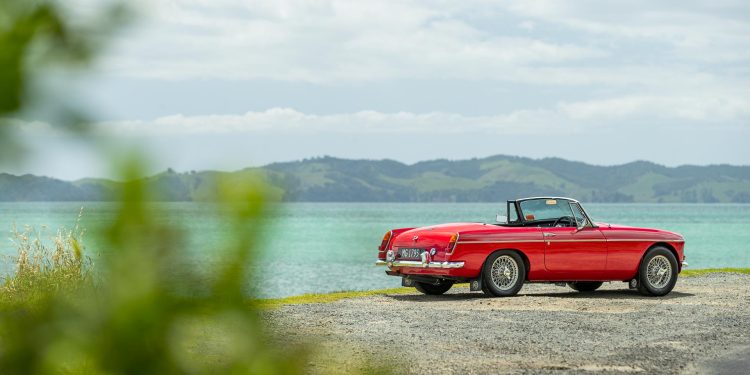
[
  {"x": 643, "y": 240},
  {"x": 582, "y": 240},
  {"x": 418, "y": 264},
  {"x": 560, "y": 198},
  {"x": 502, "y": 241}
]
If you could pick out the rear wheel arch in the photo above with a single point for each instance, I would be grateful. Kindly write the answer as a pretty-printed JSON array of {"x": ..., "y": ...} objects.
[
  {"x": 502, "y": 275},
  {"x": 520, "y": 253}
]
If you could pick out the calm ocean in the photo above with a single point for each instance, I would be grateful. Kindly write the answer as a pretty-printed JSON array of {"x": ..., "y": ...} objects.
[{"x": 324, "y": 247}]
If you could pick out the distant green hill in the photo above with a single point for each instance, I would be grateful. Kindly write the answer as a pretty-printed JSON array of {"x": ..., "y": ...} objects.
[{"x": 490, "y": 179}]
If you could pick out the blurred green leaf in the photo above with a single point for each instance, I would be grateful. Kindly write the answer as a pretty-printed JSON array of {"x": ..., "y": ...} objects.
[{"x": 144, "y": 309}]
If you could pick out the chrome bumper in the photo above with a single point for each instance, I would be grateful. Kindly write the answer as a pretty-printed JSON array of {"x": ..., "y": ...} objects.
[
  {"x": 684, "y": 264},
  {"x": 419, "y": 264}
]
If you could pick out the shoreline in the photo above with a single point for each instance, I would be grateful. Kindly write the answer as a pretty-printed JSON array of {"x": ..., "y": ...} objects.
[{"x": 310, "y": 298}]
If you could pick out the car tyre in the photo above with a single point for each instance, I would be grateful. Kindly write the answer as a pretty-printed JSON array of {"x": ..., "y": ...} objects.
[
  {"x": 509, "y": 272},
  {"x": 486, "y": 290},
  {"x": 432, "y": 289},
  {"x": 585, "y": 286},
  {"x": 657, "y": 273}
]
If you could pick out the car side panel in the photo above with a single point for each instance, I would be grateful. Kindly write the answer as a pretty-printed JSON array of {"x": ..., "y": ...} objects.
[
  {"x": 474, "y": 249},
  {"x": 624, "y": 257},
  {"x": 575, "y": 255},
  {"x": 627, "y": 246}
]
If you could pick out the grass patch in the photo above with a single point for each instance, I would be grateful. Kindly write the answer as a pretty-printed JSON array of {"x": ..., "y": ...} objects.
[
  {"x": 328, "y": 297},
  {"x": 45, "y": 267},
  {"x": 336, "y": 296},
  {"x": 690, "y": 273},
  {"x": 333, "y": 297}
]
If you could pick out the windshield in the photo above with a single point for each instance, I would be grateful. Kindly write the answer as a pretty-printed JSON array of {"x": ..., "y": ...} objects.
[{"x": 545, "y": 209}]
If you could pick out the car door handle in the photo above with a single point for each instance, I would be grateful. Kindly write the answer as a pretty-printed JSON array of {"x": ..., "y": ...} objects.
[{"x": 549, "y": 235}]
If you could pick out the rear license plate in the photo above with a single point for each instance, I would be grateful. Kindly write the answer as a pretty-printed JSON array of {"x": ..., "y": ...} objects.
[{"x": 410, "y": 253}]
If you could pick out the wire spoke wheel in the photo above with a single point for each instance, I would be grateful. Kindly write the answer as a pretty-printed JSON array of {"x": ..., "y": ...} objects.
[
  {"x": 659, "y": 271},
  {"x": 504, "y": 272}
]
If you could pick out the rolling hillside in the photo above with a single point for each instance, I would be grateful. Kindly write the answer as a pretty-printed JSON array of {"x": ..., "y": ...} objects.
[{"x": 490, "y": 179}]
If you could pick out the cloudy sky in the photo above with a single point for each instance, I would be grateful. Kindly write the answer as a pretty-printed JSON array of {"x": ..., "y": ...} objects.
[{"x": 226, "y": 84}]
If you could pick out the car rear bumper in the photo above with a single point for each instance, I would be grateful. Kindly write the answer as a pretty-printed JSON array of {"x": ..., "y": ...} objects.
[{"x": 419, "y": 264}]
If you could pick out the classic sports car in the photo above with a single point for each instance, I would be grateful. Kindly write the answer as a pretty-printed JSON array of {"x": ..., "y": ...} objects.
[{"x": 542, "y": 239}]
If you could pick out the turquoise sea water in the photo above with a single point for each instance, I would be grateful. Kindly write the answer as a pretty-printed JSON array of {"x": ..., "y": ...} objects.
[{"x": 324, "y": 247}]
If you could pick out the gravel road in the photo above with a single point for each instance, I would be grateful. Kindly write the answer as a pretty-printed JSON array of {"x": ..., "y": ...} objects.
[{"x": 703, "y": 326}]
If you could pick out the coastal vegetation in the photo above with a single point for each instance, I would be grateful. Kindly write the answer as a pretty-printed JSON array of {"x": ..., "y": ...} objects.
[
  {"x": 143, "y": 309},
  {"x": 58, "y": 265},
  {"x": 490, "y": 179}
]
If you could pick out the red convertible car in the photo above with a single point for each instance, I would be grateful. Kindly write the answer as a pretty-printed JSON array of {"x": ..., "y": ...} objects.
[{"x": 542, "y": 239}]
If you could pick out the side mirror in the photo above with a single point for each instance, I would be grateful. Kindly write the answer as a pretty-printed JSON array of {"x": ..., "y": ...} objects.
[{"x": 501, "y": 219}]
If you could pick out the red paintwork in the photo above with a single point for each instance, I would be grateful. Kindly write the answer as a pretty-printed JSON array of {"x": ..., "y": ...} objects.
[
  {"x": 602, "y": 253},
  {"x": 394, "y": 233}
]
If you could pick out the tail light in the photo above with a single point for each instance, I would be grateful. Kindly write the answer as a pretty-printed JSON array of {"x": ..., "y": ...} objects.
[
  {"x": 386, "y": 240},
  {"x": 452, "y": 243}
]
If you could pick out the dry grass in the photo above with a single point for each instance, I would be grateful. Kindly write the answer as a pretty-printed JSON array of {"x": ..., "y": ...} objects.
[{"x": 46, "y": 265}]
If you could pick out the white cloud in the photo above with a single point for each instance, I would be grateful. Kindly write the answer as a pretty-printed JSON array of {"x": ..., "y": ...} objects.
[
  {"x": 290, "y": 121},
  {"x": 687, "y": 108},
  {"x": 641, "y": 49},
  {"x": 565, "y": 117},
  {"x": 527, "y": 25},
  {"x": 689, "y": 30},
  {"x": 533, "y": 69},
  {"x": 328, "y": 42},
  {"x": 598, "y": 131}
]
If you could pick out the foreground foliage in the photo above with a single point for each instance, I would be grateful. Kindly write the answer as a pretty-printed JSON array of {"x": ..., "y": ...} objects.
[{"x": 147, "y": 310}]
